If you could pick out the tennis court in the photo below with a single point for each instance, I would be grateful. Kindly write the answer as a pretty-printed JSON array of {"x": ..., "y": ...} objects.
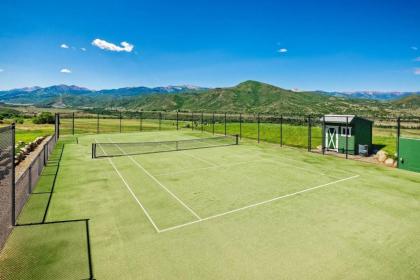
[{"x": 195, "y": 207}]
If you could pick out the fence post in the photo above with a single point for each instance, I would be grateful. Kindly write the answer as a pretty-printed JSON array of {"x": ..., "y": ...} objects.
[
  {"x": 398, "y": 140},
  {"x": 120, "y": 122},
  {"x": 237, "y": 139},
  {"x": 202, "y": 122},
  {"x": 177, "y": 120},
  {"x": 225, "y": 125},
  {"x": 347, "y": 137},
  {"x": 192, "y": 120},
  {"x": 13, "y": 128},
  {"x": 160, "y": 120},
  {"x": 240, "y": 125},
  {"x": 72, "y": 130},
  {"x": 323, "y": 134},
  {"x": 281, "y": 130},
  {"x": 141, "y": 120},
  {"x": 258, "y": 127},
  {"x": 213, "y": 123},
  {"x": 97, "y": 123},
  {"x": 309, "y": 134}
]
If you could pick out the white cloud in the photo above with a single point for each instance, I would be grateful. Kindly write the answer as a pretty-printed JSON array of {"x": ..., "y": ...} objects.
[
  {"x": 414, "y": 48},
  {"x": 282, "y": 50},
  {"x": 104, "y": 45},
  {"x": 83, "y": 49},
  {"x": 417, "y": 71},
  {"x": 1, "y": 70},
  {"x": 65, "y": 70},
  {"x": 64, "y": 46}
]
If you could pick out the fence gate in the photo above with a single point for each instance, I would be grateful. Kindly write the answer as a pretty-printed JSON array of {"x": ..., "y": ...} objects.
[{"x": 409, "y": 154}]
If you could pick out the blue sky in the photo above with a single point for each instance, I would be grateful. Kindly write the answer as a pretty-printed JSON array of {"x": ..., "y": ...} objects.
[{"x": 328, "y": 45}]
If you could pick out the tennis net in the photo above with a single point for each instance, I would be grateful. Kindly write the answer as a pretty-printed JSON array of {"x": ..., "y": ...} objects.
[{"x": 136, "y": 148}]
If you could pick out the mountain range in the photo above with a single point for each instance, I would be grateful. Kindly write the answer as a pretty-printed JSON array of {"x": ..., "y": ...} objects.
[{"x": 249, "y": 96}]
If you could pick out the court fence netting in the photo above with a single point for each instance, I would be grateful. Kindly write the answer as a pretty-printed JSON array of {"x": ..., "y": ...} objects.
[
  {"x": 15, "y": 190},
  {"x": 135, "y": 148},
  {"x": 297, "y": 131}
]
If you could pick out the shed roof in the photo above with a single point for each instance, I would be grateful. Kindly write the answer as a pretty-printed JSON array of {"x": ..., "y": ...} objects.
[{"x": 341, "y": 118}]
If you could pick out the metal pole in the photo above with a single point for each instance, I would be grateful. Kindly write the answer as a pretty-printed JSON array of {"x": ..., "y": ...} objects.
[
  {"x": 13, "y": 175},
  {"x": 73, "y": 124},
  {"x": 258, "y": 126},
  {"x": 240, "y": 125},
  {"x": 160, "y": 120},
  {"x": 141, "y": 121},
  {"x": 202, "y": 120},
  {"x": 120, "y": 122},
  {"x": 192, "y": 120},
  {"x": 309, "y": 134},
  {"x": 347, "y": 137},
  {"x": 398, "y": 140},
  {"x": 97, "y": 123},
  {"x": 323, "y": 135},
  {"x": 281, "y": 131},
  {"x": 225, "y": 124},
  {"x": 177, "y": 121},
  {"x": 213, "y": 123}
]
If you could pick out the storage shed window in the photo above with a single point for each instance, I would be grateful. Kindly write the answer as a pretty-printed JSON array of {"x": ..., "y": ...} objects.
[{"x": 346, "y": 131}]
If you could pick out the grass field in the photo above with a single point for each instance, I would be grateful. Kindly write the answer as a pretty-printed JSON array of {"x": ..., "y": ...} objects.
[{"x": 246, "y": 211}]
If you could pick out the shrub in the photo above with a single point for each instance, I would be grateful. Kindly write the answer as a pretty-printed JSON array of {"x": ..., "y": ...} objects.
[{"x": 44, "y": 118}]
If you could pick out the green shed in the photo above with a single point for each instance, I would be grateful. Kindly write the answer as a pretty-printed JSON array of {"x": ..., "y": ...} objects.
[{"x": 347, "y": 130}]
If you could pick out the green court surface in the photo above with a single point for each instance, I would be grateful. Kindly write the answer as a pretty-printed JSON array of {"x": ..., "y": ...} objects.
[{"x": 247, "y": 211}]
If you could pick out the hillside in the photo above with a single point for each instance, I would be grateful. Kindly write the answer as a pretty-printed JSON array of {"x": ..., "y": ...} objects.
[
  {"x": 254, "y": 96},
  {"x": 249, "y": 96}
]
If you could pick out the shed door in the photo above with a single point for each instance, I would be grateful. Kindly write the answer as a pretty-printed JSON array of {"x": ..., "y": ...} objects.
[{"x": 331, "y": 138}]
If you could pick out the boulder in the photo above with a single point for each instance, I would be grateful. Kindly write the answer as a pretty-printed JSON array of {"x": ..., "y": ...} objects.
[
  {"x": 382, "y": 156},
  {"x": 389, "y": 162}
]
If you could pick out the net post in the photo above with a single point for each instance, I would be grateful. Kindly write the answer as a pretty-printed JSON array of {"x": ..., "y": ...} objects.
[
  {"x": 93, "y": 150},
  {"x": 72, "y": 128},
  {"x": 309, "y": 133},
  {"x": 177, "y": 120},
  {"x": 323, "y": 135},
  {"x": 213, "y": 123},
  {"x": 120, "y": 121},
  {"x": 398, "y": 140},
  {"x": 13, "y": 129},
  {"x": 258, "y": 127},
  {"x": 225, "y": 125},
  {"x": 202, "y": 122},
  {"x": 240, "y": 125},
  {"x": 347, "y": 137},
  {"x": 97, "y": 123}
]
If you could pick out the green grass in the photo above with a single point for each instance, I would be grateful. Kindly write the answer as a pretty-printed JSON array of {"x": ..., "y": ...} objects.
[{"x": 363, "y": 227}]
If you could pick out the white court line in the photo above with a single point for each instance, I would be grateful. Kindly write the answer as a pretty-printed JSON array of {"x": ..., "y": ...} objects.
[
  {"x": 132, "y": 193},
  {"x": 257, "y": 204},
  {"x": 159, "y": 183}
]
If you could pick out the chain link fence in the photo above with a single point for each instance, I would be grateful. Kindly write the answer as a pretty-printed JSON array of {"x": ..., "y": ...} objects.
[
  {"x": 14, "y": 192},
  {"x": 7, "y": 181}
]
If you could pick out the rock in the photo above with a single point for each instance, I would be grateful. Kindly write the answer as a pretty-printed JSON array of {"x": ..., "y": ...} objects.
[
  {"x": 382, "y": 156},
  {"x": 395, "y": 164},
  {"x": 389, "y": 162}
]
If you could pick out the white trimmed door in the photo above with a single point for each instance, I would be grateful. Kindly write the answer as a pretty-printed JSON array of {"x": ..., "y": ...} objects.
[{"x": 331, "y": 138}]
